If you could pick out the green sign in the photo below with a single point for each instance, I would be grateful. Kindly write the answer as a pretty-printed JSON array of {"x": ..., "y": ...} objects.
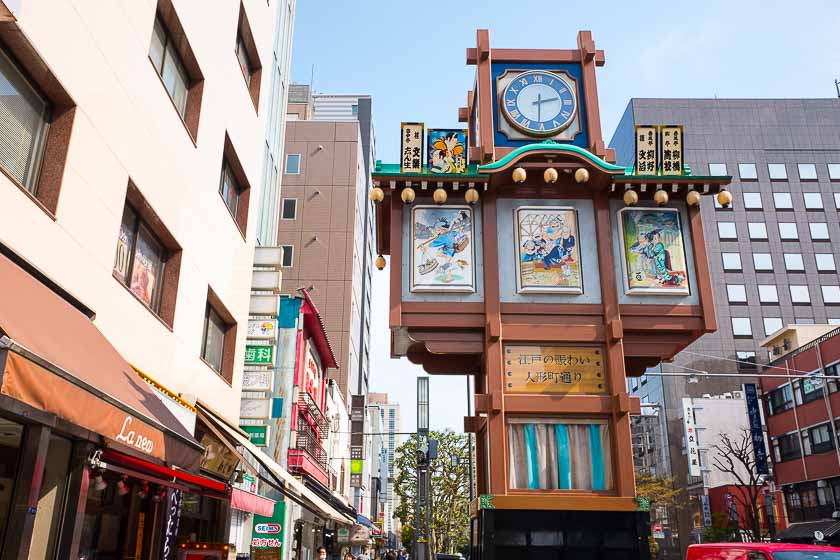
[
  {"x": 267, "y": 532},
  {"x": 259, "y": 354},
  {"x": 356, "y": 466},
  {"x": 257, "y": 434}
]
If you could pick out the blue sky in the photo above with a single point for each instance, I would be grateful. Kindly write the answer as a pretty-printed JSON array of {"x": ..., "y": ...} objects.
[{"x": 410, "y": 56}]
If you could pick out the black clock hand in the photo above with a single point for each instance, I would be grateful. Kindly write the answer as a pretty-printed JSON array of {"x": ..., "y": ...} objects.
[{"x": 539, "y": 106}]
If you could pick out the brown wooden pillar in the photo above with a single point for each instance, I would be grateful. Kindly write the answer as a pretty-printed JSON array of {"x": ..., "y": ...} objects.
[{"x": 77, "y": 490}]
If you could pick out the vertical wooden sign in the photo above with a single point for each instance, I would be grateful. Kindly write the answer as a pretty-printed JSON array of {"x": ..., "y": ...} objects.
[
  {"x": 647, "y": 154},
  {"x": 411, "y": 147}
]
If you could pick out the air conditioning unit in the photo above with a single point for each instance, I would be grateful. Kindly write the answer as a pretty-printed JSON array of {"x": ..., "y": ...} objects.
[
  {"x": 727, "y": 395},
  {"x": 737, "y": 394}
]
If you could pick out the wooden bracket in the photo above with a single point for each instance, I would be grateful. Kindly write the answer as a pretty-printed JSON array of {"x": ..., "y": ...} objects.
[
  {"x": 625, "y": 404},
  {"x": 615, "y": 330},
  {"x": 474, "y": 424},
  {"x": 494, "y": 329},
  {"x": 482, "y": 403},
  {"x": 463, "y": 114},
  {"x": 496, "y": 401}
]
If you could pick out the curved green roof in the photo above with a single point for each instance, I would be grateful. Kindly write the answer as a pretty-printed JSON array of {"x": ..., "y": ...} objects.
[{"x": 553, "y": 146}]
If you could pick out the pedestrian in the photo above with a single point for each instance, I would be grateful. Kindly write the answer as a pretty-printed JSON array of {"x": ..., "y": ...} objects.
[
  {"x": 349, "y": 556},
  {"x": 364, "y": 554},
  {"x": 390, "y": 556},
  {"x": 322, "y": 553}
]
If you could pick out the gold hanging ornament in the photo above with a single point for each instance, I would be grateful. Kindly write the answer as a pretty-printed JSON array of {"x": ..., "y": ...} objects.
[
  {"x": 582, "y": 175},
  {"x": 661, "y": 197},
  {"x": 439, "y": 196},
  {"x": 724, "y": 197},
  {"x": 692, "y": 198},
  {"x": 550, "y": 175},
  {"x": 380, "y": 262},
  {"x": 408, "y": 195},
  {"x": 471, "y": 196},
  {"x": 519, "y": 175},
  {"x": 377, "y": 194},
  {"x": 631, "y": 198}
]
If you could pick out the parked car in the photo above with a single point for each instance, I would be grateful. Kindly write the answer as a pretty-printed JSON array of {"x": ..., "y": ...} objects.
[{"x": 761, "y": 551}]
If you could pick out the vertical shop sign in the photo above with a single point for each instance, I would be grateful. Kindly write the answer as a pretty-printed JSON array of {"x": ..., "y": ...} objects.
[
  {"x": 173, "y": 519},
  {"x": 267, "y": 534},
  {"x": 691, "y": 444},
  {"x": 411, "y": 147},
  {"x": 756, "y": 431},
  {"x": 707, "y": 510},
  {"x": 647, "y": 154},
  {"x": 672, "y": 149}
]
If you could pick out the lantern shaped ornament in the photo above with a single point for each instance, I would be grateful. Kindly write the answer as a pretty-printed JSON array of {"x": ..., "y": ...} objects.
[
  {"x": 582, "y": 175},
  {"x": 377, "y": 194},
  {"x": 471, "y": 196},
  {"x": 380, "y": 262},
  {"x": 519, "y": 175},
  {"x": 631, "y": 198},
  {"x": 408, "y": 195},
  {"x": 439, "y": 196},
  {"x": 724, "y": 198},
  {"x": 661, "y": 197},
  {"x": 550, "y": 175},
  {"x": 692, "y": 198}
]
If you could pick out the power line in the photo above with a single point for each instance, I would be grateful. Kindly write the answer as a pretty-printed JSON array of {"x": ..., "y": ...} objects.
[{"x": 745, "y": 362}]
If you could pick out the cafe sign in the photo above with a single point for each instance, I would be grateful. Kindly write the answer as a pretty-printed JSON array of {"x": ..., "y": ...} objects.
[{"x": 554, "y": 369}]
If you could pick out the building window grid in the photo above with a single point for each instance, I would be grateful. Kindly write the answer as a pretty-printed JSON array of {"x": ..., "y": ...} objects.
[
  {"x": 762, "y": 262},
  {"x": 140, "y": 259},
  {"x": 771, "y": 325},
  {"x": 736, "y": 293},
  {"x": 825, "y": 262},
  {"x": 288, "y": 209},
  {"x": 757, "y": 231},
  {"x": 813, "y": 200},
  {"x": 788, "y": 231},
  {"x": 782, "y": 201},
  {"x": 777, "y": 171},
  {"x": 169, "y": 66},
  {"x": 819, "y": 231},
  {"x": 292, "y": 164},
  {"x": 799, "y": 294},
  {"x": 794, "y": 262},
  {"x": 731, "y": 262},
  {"x": 807, "y": 171},
  {"x": 747, "y": 172},
  {"x": 727, "y": 230},
  {"x": 752, "y": 201}
]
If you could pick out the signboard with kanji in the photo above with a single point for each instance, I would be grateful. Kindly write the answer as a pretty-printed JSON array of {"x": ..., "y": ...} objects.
[
  {"x": 259, "y": 354},
  {"x": 411, "y": 147},
  {"x": 267, "y": 534},
  {"x": 692, "y": 446},
  {"x": 671, "y": 140},
  {"x": 554, "y": 369},
  {"x": 258, "y": 435},
  {"x": 647, "y": 154},
  {"x": 756, "y": 429}
]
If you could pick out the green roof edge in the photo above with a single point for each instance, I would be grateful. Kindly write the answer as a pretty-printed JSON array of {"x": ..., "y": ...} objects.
[
  {"x": 394, "y": 169},
  {"x": 551, "y": 145}
]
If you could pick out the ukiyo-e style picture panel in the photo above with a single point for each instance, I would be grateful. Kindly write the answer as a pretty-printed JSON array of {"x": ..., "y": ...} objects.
[
  {"x": 547, "y": 250},
  {"x": 447, "y": 150},
  {"x": 442, "y": 249},
  {"x": 654, "y": 251}
]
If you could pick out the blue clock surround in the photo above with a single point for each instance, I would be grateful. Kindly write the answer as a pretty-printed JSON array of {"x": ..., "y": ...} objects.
[{"x": 574, "y": 70}]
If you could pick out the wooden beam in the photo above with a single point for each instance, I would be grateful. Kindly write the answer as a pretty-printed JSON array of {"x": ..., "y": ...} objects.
[
  {"x": 563, "y": 500},
  {"x": 484, "y": 84},
  {"x": 701, "y": 269},
  {"x": 569, "y": 403},
  {"x": 562, "y": 56},
  {"x": 396, "y": 235}
]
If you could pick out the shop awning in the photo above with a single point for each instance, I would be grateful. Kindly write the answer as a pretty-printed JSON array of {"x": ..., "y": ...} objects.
[
  {"x": 364, "y": 521},
  {"x": 203, "y": 482},
  {"x": 292, "y": 487},
  {"x": 252, "y": 503},
  {"x": 57, "y": 361},
  {"x": 805, "y": 531}
]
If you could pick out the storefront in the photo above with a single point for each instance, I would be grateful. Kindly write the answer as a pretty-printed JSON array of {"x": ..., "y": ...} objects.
[{"x": 91, "y": 457}]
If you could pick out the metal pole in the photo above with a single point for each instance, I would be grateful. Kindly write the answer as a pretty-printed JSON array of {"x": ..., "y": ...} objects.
[
  {"x": 837, "y": 86},
  {"x": 469, "y": 439}
]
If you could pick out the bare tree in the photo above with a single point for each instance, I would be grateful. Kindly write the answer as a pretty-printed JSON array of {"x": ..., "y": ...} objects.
[{"x": 735, "y": 456}]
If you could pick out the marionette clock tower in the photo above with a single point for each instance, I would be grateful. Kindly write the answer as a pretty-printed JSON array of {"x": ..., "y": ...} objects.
[{"x": 521, "y": 254}]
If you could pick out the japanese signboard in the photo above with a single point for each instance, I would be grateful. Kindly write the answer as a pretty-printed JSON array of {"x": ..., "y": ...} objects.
[
  {"x": 707, "y": 510},
  {"x": 267, "y": 534},
  {"x": 217, "y": 458},
  {"x": 756, "y": 430},
  {"x": 311, "y": 380},
  {"x": 671, "y": 140},
  {"x": 259, "y": 354},
  {"x": 259, "y": 409},
  {"x": 692, "y": 446},
  {"x": 411, "y": 147},
  {"x": 257, "y": 380},
  {"x": 262, "y": 328},
  {"x": 258, "y": 435},
  {"x": 173, "y": 519},
  {"x": 647, "y": 153},
  {"x": 554, "y": 369},
  {"x": 446, "y": 148},
  {"x": 356, "y": 465}
]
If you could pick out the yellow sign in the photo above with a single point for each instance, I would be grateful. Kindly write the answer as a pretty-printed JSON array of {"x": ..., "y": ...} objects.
[
  {"x": 411, "y": 147},
  {"x": 647, "y": 154},
  {"x": 672, "y": 149},
  {"x": 554, "y": 369}
]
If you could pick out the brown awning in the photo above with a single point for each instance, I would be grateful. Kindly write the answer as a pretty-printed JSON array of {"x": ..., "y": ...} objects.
[{"x": 59, "y": 362}]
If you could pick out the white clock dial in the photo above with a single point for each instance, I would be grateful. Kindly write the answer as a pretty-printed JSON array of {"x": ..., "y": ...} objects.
[{"x": 539, "y": 102}]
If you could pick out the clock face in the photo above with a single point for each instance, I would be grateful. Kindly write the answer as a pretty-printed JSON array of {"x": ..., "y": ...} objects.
[{"x": 540, "y": 103}]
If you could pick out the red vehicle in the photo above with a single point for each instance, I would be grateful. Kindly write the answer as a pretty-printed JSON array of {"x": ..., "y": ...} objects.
[{"x": 761, "y": 551}]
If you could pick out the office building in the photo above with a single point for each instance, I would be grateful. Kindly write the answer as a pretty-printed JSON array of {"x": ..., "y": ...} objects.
[
  {"x": 391, "y": 427},
  {"x": 773, "y": 250}
]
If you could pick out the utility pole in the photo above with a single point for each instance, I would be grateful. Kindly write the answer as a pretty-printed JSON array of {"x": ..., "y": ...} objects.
[{"x": 422, "y": 511}]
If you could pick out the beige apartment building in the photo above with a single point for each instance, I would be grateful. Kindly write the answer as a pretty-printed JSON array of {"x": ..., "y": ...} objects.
[
  {"x": 326, "y": 225},
  {"x": 131, "y": 153}
]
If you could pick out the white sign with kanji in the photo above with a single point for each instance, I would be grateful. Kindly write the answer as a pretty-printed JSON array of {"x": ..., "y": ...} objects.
[{"x": 692, "y": 445}]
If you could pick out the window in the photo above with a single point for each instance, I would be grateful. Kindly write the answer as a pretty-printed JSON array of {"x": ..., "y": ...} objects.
[
  {"x": 731, "y": 261},
  {"x": 758, "y": 230},
  {"x": 719, "y": 206},
  {"x": 819, "y": 231},
  {"x": 752, "y": 201},
  {"x": 292, "y": 164},
  {"x": 219, "y": 337},
  {"x": 762, "y": 262},
  {"x": 830, "y": 294},
  {"x": 289, "y": 209},
  {"x": 782, "y": 201},
  {"x": 788, "y": 231},
  {"x": 354, "y": 109},
  {"x": 140, "y": 259},
  {"x": 24, "y": 115},
  {"x": 736, "y": 293},
  {"x": 793, "y": 262},
  {"x": 229, "y": 188},
  {"x": 288, "y": 256},
  {"x": 825, "y": 262},
  {"x": 789, "y": 447},
  {"x": 813, "y": 200},
  {"x": 747, "y": 171},
  {"x": 717, "y": 169},
  {"x": 741, "y": 327},
  {"x": 767, "y": 293},
  {"x": 726, "y": 230},
  {"x": 777, "y": 171},
  {"x": 799, "y": 294},
  {"x": 804, "y": 321},
  {"x": 821, "y": 438},
  {"x": 807, "y": 171},
  {"x": 177, "y": 66},
  {"x": 746, "y": 359},
  {"x": 781, "y": 399},
  {"x": 248, "y": 57},
  {"x": 834, "y": 171},
  {"x": 837, "y": 200},
  {"x": 833, "y": 321},
  {"x": 234, "y": 187},
  {"x": 771, "y": 325}
]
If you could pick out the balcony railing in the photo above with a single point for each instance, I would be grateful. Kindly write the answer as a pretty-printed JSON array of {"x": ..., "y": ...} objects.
[
  {"x": 308, "y": 407},
  {"x": 309, "y": 442}
]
